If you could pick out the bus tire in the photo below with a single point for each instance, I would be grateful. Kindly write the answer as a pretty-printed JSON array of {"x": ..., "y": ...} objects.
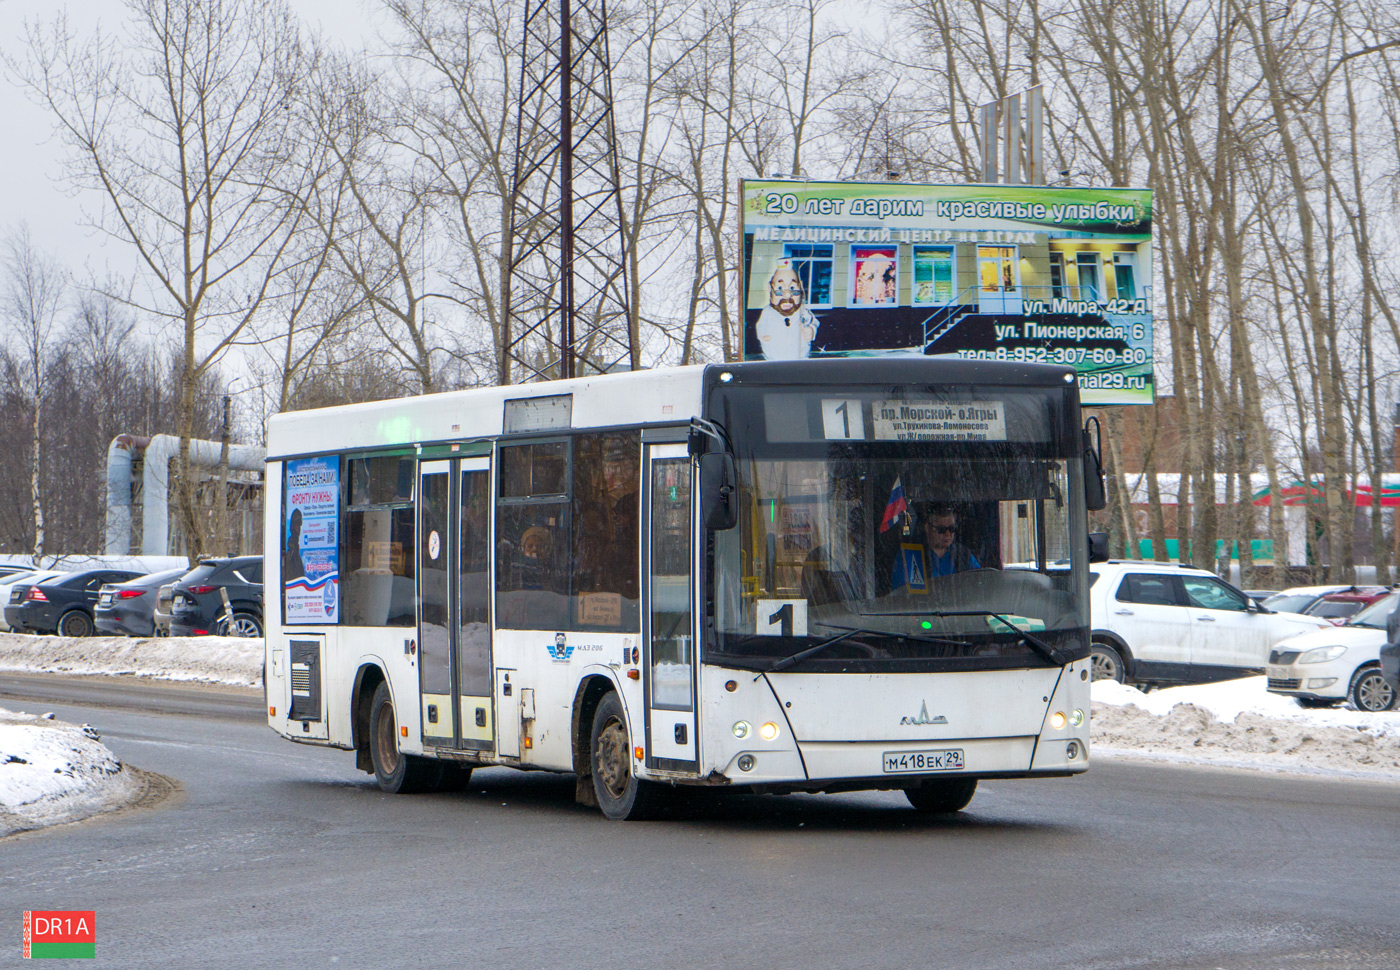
[
  {"x": 942, "y": 796},
  {"x": 621, "y": 795},
  {"x": 397, "y": 773}
]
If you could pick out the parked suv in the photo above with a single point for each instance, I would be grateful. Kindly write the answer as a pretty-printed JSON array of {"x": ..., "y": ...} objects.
[
  {"x": 1326, "y": 667},
  {"x": 1157, "y": 623},
  {"x": 197, "y": 604},
  {"x": 63, "y": 604},
  {"x": 128, "y": 608}
]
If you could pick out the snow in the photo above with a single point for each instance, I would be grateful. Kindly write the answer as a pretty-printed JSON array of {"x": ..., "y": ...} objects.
[
  {"x": 219, "y": 660},
  {"x": 1238, "y": 723},
  {"x": 52, "y": 772}
]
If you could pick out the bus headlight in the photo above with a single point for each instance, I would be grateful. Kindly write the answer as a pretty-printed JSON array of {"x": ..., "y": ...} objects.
[
  {"x": 768, "y": 732},
  {"x": 1076, "y": 719},
  {"x": 1057, "y": 720},
  {"x": 742, "y": 729}
]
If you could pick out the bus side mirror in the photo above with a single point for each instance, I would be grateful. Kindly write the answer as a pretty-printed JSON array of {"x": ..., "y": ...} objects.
[
  {"x": 1098, "y": 547},
  {"x": 1095, "y": 493},
  {"x": 719, "y": 491}
]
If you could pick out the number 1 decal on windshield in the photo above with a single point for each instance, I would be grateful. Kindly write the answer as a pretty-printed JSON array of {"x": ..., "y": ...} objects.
[
  {"x": 781, "y": 618},
  {"x": 842, "y": 419}
]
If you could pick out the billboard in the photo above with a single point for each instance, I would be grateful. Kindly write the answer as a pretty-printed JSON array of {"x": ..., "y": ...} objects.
[{"x": 992, "y": 272}]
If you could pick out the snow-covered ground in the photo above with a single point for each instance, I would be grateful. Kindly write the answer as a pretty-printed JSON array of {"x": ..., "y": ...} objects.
[
  {"x": 51, "y": 772},
  {"x": 218, "y": 660},
  {"x": 1239, "y": 723}
]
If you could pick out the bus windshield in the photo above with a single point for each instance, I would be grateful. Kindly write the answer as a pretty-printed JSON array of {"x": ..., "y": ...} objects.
[{"x": 907, "y": 543}]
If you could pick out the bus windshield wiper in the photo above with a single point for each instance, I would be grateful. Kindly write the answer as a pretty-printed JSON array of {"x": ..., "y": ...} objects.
[
  {"x": 1052, "y": 653},
  {"x": 851, "y": 631}
]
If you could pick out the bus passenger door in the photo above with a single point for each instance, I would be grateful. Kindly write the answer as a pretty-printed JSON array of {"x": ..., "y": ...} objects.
[
  {"x": 473, "y": 602},
  {"x": 435, "y": 672},
  {"x": 670, "y": 659},
  {"x": 454, "y": 634}
]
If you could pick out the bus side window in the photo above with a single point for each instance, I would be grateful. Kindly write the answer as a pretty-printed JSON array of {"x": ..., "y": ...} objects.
[
  {"x": 606, "y": 519},
  {"x": 377, "y": 580},
  {"x": 532, "y": 537}
]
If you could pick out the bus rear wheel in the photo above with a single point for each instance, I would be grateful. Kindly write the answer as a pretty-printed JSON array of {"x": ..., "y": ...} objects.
[
  {"x": 622, "y": 796},
  {"x": 942, "y": 796},
  {"x": 397, "y": 773}
]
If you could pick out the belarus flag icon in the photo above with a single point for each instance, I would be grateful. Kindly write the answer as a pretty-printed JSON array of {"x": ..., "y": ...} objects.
[{"x": 63, "y": 934}]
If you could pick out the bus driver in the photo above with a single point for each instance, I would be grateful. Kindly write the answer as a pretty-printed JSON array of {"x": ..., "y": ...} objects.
[{"x": 941, "y": 554}]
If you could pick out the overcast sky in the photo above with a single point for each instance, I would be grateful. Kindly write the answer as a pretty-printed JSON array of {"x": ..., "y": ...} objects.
[{"x": 31, "y": 159}]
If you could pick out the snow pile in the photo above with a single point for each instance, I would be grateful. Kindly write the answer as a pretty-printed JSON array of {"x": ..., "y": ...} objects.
[
  {"x": 222, "y": 660},
  {"x": 1239, "y": 723},
  {"x": 52, "y": 772}
]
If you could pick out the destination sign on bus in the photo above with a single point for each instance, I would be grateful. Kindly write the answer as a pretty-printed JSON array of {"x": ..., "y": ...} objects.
[{"x": 939, "y": 421}]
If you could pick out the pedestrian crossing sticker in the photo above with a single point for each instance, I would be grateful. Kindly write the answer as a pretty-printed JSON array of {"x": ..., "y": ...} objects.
[{"x": 915, "y": 570}]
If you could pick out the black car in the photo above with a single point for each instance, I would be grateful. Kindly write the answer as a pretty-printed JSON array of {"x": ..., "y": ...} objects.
[
  {"x": 197, "y": 603},
  {"x": 128, "y": 609},
  {"x": 61, "y": 605}
]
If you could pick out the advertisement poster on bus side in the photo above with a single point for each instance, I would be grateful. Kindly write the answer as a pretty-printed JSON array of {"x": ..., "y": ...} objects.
[
  {"x": 988, "y": 272},
  {"x": 310, "y": 558}
]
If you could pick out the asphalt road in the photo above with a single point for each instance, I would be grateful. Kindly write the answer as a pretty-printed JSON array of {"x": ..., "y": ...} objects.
[{"x": 282, "y": 855}]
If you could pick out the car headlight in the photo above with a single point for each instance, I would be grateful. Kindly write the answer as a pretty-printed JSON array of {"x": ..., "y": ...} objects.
[{"x": 1320, "y": 655}]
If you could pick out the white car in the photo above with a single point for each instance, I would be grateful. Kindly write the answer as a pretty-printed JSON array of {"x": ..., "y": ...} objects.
[
  {"x": 1299, "y": 598},
  {"x": 1157, "y": 623},
  {"x": 8, "y": 583},
  {"x": 1326, "y": 667}
]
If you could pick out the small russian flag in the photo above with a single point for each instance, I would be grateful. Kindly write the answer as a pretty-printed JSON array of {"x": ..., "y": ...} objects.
[{"x": 896, "y": 506}]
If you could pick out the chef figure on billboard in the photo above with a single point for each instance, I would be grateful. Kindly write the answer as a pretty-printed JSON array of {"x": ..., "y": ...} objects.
[{"x": 786, "y": 327}]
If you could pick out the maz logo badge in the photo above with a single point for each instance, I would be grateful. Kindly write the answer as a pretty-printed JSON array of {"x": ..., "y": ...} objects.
[{"x": 923, "y": 717}]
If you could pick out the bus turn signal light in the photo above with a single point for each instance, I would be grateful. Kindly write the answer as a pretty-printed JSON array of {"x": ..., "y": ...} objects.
[
  {"x": 403, "y": 731},
  {"x": 638, "y": 753},
  {"x": 272, "y": 712},
  {"x": 634, "y": 674}
]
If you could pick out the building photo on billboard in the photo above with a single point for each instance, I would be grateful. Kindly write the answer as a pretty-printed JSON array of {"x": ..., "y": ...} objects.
[{"x": 1030, "y": 273}]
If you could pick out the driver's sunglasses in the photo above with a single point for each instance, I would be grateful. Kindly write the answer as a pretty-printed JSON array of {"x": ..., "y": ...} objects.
[{"x": 945, "y": 530}]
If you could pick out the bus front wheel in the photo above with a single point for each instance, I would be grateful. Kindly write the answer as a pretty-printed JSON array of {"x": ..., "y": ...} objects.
[
  {"x": 396, "y": 772},
  {"x": 621, "y": 794},
  {"x": 942, "y": 796}
]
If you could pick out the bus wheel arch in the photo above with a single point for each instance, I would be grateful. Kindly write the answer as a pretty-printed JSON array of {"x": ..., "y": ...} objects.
[
  {"x": 367, "y": 680},
  {"x": 589, "y": 695}
]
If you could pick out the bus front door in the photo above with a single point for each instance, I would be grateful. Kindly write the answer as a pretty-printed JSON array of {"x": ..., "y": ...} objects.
[
  {"x": 454, "y": 632},
  {"x": 670, "y": 663}
]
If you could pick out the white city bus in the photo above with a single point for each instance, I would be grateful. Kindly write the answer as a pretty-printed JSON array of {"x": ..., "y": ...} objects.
[{"x": 719, "y": 576}]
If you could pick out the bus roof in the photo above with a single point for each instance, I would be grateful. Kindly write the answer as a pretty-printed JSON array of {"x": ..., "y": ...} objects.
[
  {"x": 663, "y": 396},
  {"x": 670, "y": 395}
]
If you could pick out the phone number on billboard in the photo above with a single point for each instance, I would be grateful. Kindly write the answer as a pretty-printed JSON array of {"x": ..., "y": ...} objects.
[{"x": 1061, "y": 355}]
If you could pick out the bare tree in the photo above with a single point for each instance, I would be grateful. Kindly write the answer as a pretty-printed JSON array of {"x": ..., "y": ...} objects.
[
  {"x": 36, "y": 287},
  {"x": 183, "y": 124}
]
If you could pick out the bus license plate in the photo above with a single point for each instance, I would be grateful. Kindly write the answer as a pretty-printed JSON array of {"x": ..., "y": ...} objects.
[{"x": 944, "y": 760}]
